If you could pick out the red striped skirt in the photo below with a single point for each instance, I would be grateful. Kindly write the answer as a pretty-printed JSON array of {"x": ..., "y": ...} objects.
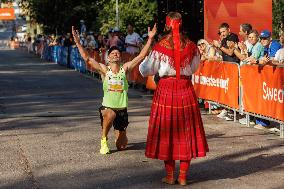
[{"x": 175, "y": 129}]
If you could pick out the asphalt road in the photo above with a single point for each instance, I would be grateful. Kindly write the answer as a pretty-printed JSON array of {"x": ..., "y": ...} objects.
[{"x": 50, "y": 137}]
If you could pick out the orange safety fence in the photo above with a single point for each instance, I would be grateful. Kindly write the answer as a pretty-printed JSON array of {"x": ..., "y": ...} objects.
[
  {"x": 93, "y": 54},
  {"x": 14, "y": 44},
  {"x": 133, "y": 76},
  {"x": 217, "y": 81},
  {"x": 126, "y": 57},
  {"x": 103, "y": 54},
  {"x": 263, "y": 90},
  {"x": 150, "y": 83},
  {"x": 7, "y": 14}
]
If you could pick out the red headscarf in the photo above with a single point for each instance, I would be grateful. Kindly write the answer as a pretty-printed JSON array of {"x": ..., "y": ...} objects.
[{"x": 175, "y": 25}]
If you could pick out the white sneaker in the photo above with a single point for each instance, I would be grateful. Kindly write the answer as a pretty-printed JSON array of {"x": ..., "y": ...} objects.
[
  {"x": 243, "y": 121},
  {"x": 258, "y": 126},
  {"x": 228, "y": 118},
  {"x": 274, "y": 130},
  {"x": 223, "y": 114},
  {"x": 252, "y": 123}
]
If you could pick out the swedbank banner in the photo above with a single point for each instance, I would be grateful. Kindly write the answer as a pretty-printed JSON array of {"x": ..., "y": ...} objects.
[
  {"x": 217, "y": 81},
  {"x": 263, "y": 90}
]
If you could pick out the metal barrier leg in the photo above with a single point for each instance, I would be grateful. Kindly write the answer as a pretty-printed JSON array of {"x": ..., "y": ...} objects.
[
  {"x": 247, "y": 120},
  {"x": 235, "y": 116},
  {"x": 210, "y": 106},
  {"x": 282, "y": 130}
]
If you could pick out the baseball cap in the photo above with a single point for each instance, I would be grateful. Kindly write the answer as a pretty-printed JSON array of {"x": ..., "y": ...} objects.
[
  {"x": 112, "y": 49},
  {"x": 116, "y": 29},
  {"x": 265, "y": 34}
]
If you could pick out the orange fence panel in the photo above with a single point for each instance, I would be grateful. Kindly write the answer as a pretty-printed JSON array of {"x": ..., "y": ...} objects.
[
  {"x": 218, "y": 81},
  {"x": 263, "y": 90},
  {"x": 126, "y": 57},
  {"x": 93, "y": 54},
  {"x": 7, "y": 14},
  {"x": 137, "y": 77},
  {"x": 150, "y": 83}
]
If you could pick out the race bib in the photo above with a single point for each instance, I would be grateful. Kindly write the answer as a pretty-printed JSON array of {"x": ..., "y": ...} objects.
[{"x": 115, "y": 85}]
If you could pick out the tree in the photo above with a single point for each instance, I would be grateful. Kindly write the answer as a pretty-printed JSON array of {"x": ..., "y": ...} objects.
[
  {"x": 137, "y": 12},
  {"x": 57, "y": 16},
  {"x": 60, "y": 15},
  {"x": 278, "y": 16}
]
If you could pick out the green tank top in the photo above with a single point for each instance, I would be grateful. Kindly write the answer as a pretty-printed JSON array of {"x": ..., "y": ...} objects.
[{"x": 115, "y": 87}]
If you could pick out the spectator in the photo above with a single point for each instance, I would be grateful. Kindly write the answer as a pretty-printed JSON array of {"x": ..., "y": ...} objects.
[
  {"x": 132, "y": 41},
  {"x": 244, "y": 45},
  {"x": 68, "y": 42},
  {"x": 101, "y": 41},
  {"x": 110, "y": 38},
  {"x": 270, "y": 47},
  {"x": 83, "y": 39},
  {"x": 279, "y": 57},
  {"x": 207, "y": 51},
  {"x": 226, "y": 46},
  {"x": 91, "y": 42},
  {"x": 29, "y": 43},
  {"x": 257, "y": 50},
  {"x": 245, "y": 30},
  {"x": 83, "y": 28},
  {"x": 228, "y": 39},
  {"x": 115, "y": 39},
  {"x": 121, "y": 42}
]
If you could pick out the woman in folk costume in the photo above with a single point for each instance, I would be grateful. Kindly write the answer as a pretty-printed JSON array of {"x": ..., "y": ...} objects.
[{"x": 175, "y": 127}]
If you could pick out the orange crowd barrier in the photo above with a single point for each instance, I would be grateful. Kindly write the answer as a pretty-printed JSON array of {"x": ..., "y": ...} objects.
[
  {"x": 93, "y": 54},
  {"x": 218, "y": 81},
  {"x": 150, "y": 83},
  {"x": 263, "y": 90},
  {"x": 7, "y": 14},
  {"x": 137, "y": 77},
  {"x": 103, "y": 53},
  {"x": 126, "y": 57},
  {"x": 14, "y": 44}
]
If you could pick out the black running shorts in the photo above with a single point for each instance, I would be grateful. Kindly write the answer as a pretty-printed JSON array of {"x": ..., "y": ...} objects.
[{"x": 121, "y": 119}]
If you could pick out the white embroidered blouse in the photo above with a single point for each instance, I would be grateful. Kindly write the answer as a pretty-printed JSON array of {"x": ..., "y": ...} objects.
[{"x": 161, "y": 60}]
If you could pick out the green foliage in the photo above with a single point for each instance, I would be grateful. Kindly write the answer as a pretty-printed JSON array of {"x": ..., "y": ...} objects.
[
  {"x": 137, "y": 12},
  {"x": 57, "y": 16},
  {"x": 278, "y": 16}
]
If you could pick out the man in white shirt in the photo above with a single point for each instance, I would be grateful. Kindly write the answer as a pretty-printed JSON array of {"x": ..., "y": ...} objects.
[
  {"x": 279, "y": 57},
  {"x": 132, "y": 41}
]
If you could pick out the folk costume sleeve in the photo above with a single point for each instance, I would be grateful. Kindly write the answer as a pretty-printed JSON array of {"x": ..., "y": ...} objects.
[{"x": 150, "y": 65}]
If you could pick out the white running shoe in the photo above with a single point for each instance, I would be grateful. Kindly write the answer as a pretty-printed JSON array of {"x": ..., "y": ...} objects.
[
  {"x": 258, "y": 126},
  {"x": 243, "y": 121},
  {"x": 274, "y": 130},
  {"x": 228, "y": 118},
  {"x": 223, "y": 114}
]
